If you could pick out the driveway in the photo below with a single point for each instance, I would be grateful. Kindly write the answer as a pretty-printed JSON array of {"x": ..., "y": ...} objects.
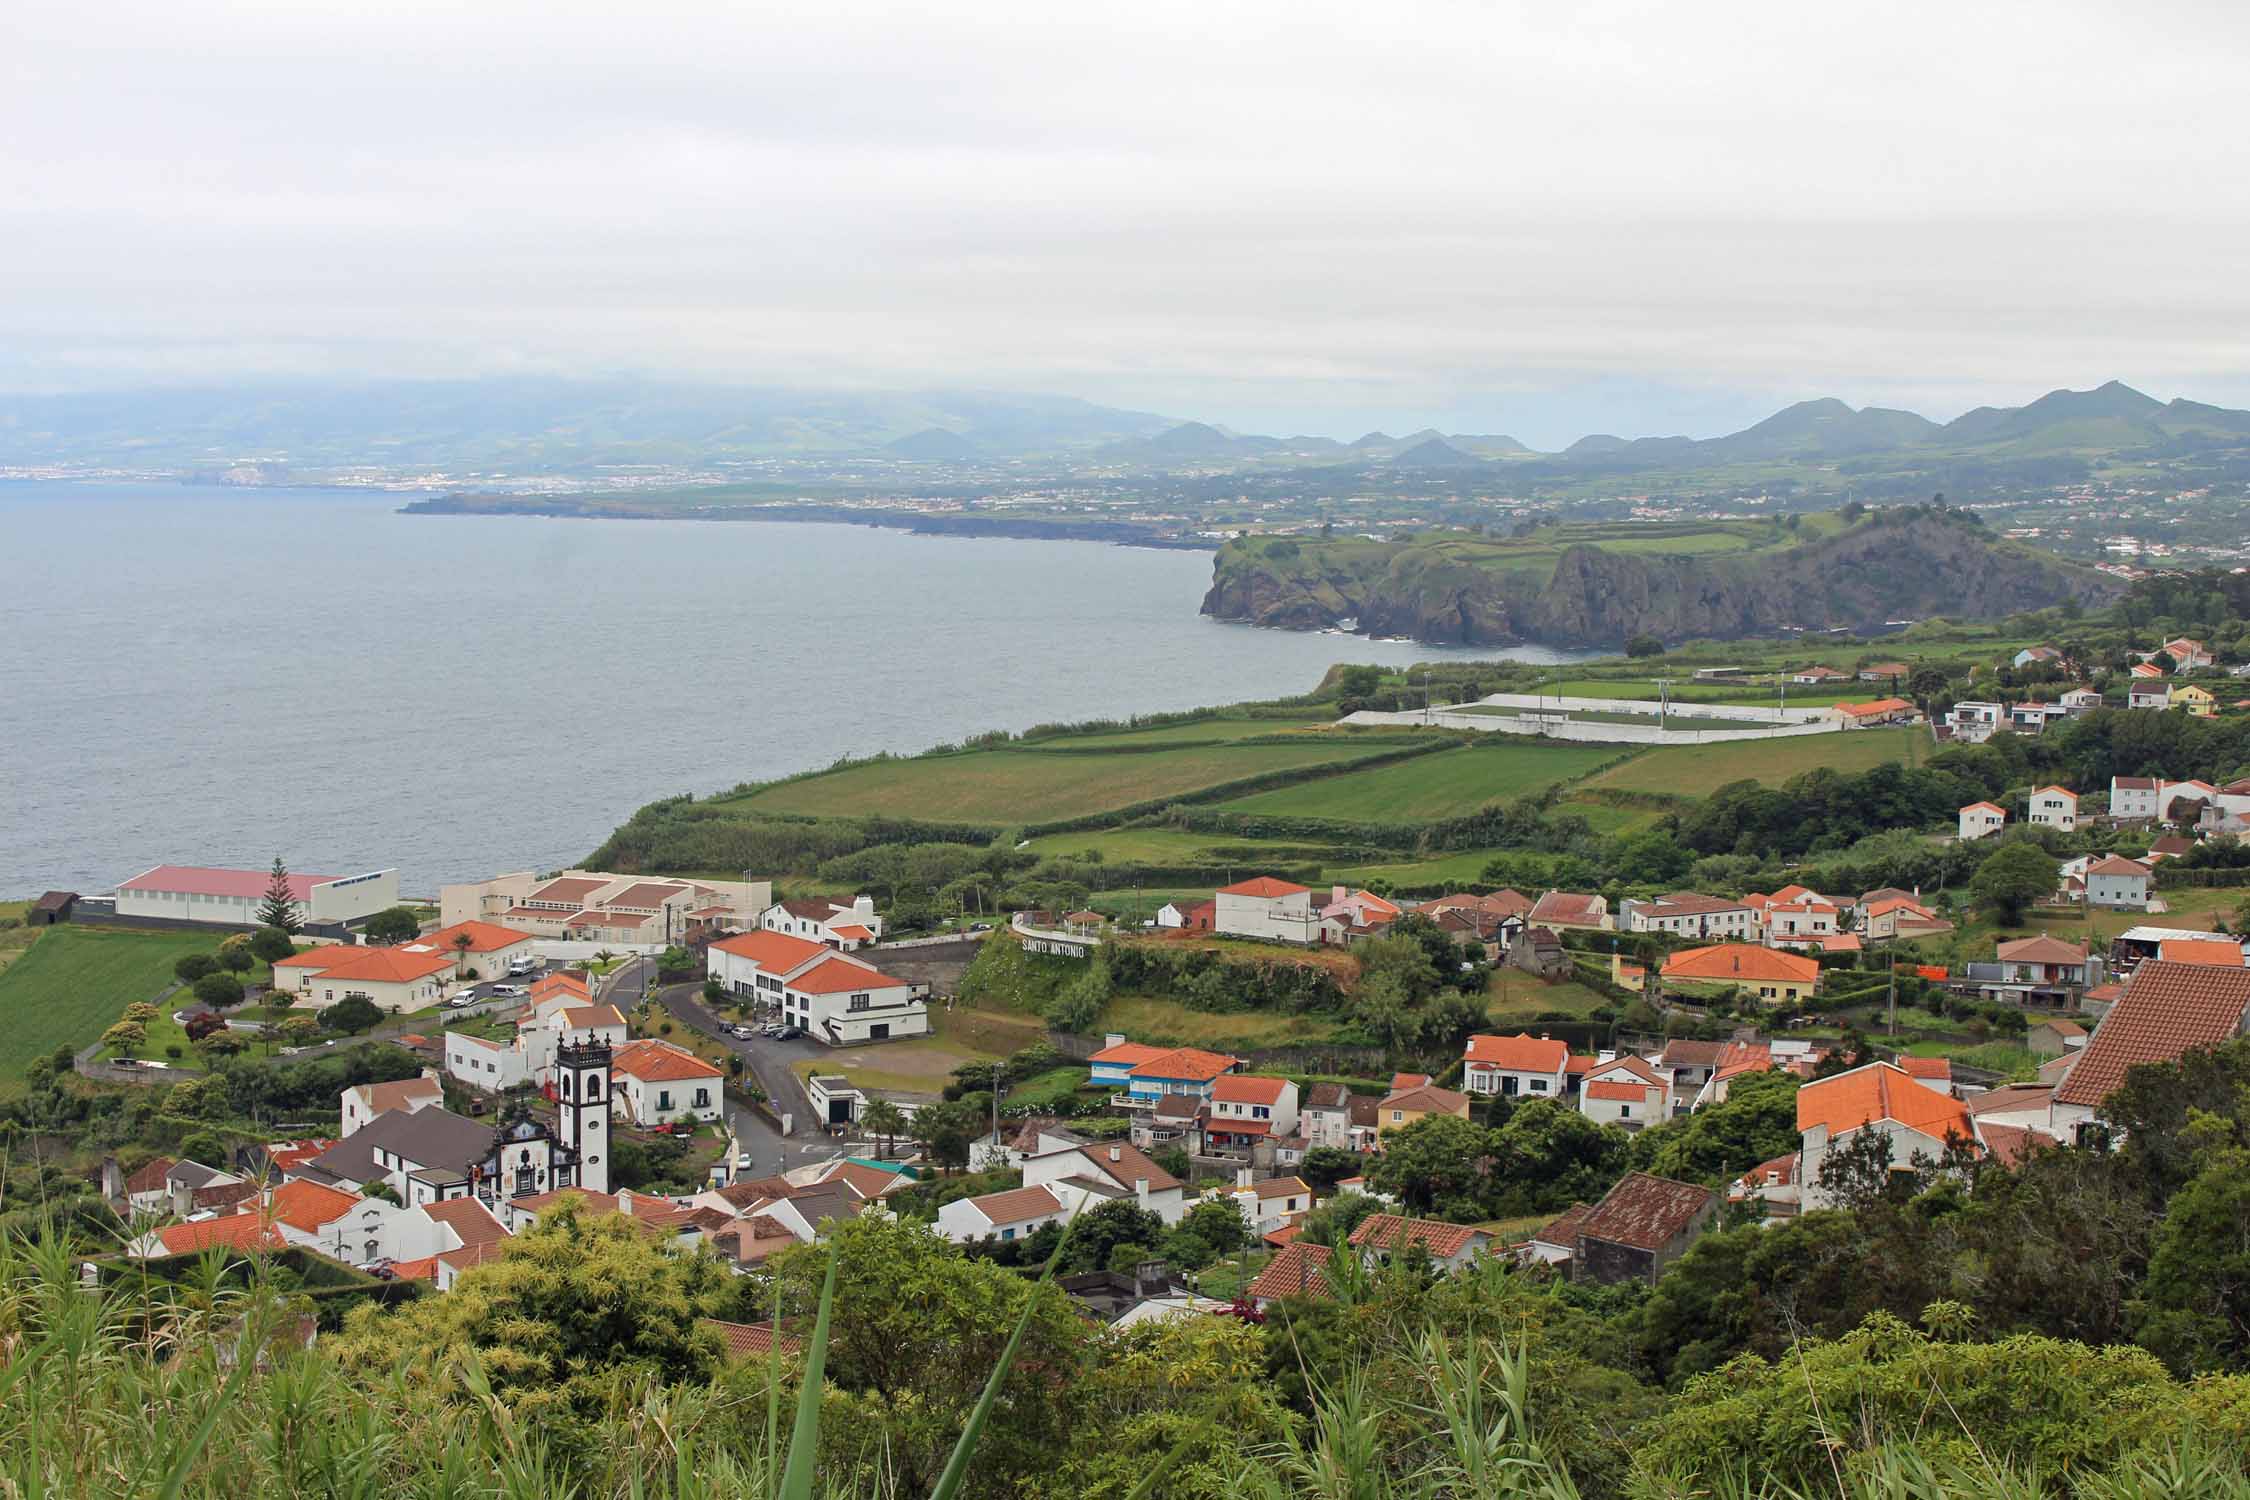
[{"x": 768, "y": 1061}]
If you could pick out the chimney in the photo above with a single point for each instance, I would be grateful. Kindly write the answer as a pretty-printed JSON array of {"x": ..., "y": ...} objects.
[
  {"x": 1140, "y": 1190},
  {"x": 1113, "y": 1039},
  {"x": 1116, "y": 1153},
  {"x": 625, "y": 1202}
]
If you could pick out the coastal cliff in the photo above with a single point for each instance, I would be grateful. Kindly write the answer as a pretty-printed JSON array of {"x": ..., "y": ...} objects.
[{"x": 1604, "y": 588}]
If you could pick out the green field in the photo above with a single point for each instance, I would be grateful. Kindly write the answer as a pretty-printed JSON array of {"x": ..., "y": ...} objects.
[
  {"x": 1446, "y": 784},
  {"x": 1030, "y": 786},
  {"x": 75, "y": 982},
  {"x": 1743, "y": 694},
  {"x": 1168, "y": 1023},
  {"x": 1517, "y": 997},
  {"x": 1200, "y": 730},
  {"x": 1699, "y": 770},
  {"x": 1162, "y": 846}
]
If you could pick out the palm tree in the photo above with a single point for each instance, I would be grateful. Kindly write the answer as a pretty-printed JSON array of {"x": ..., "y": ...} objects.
[
  {"x": 884, "y": 1120},
  {"x": 462, "y": 942}
]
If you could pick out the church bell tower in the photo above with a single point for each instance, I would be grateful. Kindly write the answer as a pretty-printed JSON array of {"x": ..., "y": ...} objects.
[{"x": 582, "y": 1092}]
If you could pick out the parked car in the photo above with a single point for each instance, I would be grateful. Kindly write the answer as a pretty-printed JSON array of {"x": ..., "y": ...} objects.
[
  {"x": 788, "y": 1034},
  {"x": 745, "y": 1162},
  {"x": 460, "y": 998},
  {"x": 510, "y": 991},
  {"x": 524, "y": 966},
  {"x": 772, "y": 1030}
]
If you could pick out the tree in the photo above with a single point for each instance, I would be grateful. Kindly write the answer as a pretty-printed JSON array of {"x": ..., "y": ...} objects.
[
  {"x": 883, "y": 1120},
  {"x": 1756, "y": 1122},
  {"x": 393, "y": 924},
  {"x": 1436, "y": 1160},
  {"x": 949, "y": 1128},
  {"x": 1099, "y": 1233},
  {"x": 236, "y": 958},
  {"x": 298, "y": 1030},
  {"x": 353, "y": 1013},
  {"x": 125, "y": 1037},
  {"x": 1079, "y": 1006},
  {"x": 2197, "y": 1294},
  {"x": 2014, "y": 877},
  {"x": 1325, "y": 1166},
  {"x": 189, "y": 967},
  {"x": 279, "y": 908},
  {"x": 462, "y": 943},
  {"x": 219, "y": 990},
  {"x": 271, "y": 943},
  {"x": 1332, "y": 1223},
  {"x": 1644, "y": 644},
  {"x": 1549, "y": 1155},
  {"x": 202, "y": 1024},
  {"x": 1219, "y": 1224},
  {"x": 1926, "y": 685},
  {"x": 223, "y": 1043}
]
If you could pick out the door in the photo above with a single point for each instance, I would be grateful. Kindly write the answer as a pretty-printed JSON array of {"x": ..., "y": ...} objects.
[{"x": 881, "y": 1033}]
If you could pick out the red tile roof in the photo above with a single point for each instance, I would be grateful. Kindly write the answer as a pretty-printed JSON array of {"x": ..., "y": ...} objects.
[
  {"x": 251, "y": 1231},
  {"x": 2040, "y": 950},
  {"x": 1619, "y": 1093},
  {"x": 1928, "y": 1069},
  {"x": 1568, "y": 906},
  {"x": 660, "y": 1062},
  {"x": 468, "y": 1219},
  {"x": 1880, "y": 1091},
  {"x": 1521, "y": 1053},
  {"x": 2009, "y": 1144},
  {"x": 1394, "y": 1232},
  {"x": 343, "y": 964},
  {"x": 150, "y": 1178},
  {"x": 306, "y": 1205},
  {"x": 2167, "y": 1011},
  {"x": 2117, "y": 864},
  {"x": 1264, "y": 887},
  {"x": 1131, "y": 1054},
  {"x": 607, "y": 919},
  {"x": 776, "y": 952},
  {"x": 1563, "y": 1228},
  {"x": 1248, "y": 1088},
  {"x": 2223, "y": 953},
  {"x": 1186, "y": 1064},
  {"x": 839, "y": 975},
  {"x": 751, "y": 1340},
  {"x": 484, "y": 937},
  {"x": 1296, "y": 1270},
  {"x": 1016, "y": 1205},
  {"x": 1742, "y": 963},
  {"x": 571, "y": 888},
  {"x": 1646, "y": 1212}
]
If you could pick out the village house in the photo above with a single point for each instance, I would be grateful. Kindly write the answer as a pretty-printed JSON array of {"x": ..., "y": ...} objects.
[
  {"x": 1625, "y": 1091},
  {"x": 1777, "y": 1187},
  {"x": 2132, "y": 797},
  {"x": 658, "y": 1083},
  {"x": 2054, "y": 807},
  {"x": 2118, "y": 882},
  {"x": 482, "y": 950},
  {"x": 1335, "y": 1117},
  {"x": 1920, "y": 1121},
  {"x": 1972, "y": 721},
  {"x": 842, "y": 925},
  {"x": 1519, "y": 1066},
  {"x": 1403, "y": 1107},
  {"x": 1688, "y": 1065},
  {"x": 1192, "y": 916},
  {"x": 1981, "y": 818},
  {"x": 1451, "y": 1247},
  {"x": 2044, "y": 971},
  {"x": 363, "y": 1102},
  {"x": 1296, "y": 1270},
  {"x": 1277, "y": 911},
  {"x": 1014, "y": 1214},
  {"x": 1874, "y": 712},
  {"x": 1886, "y": 671},
  {"x": 1562, "y": 910},
  {"x": 2082, "y": 700},
  {"x": 2033, "y": 718},
  {"x": 1768, "y": 974},
  {"x": 1640, "y": 1227},
  {"x": 1817, "y": 676},
  {"x": 394, "y": 979},
  {"x": 2197, "y": 700},
  {"x": 1689, "y": 914},
  {"x": 2149, "y": 693},
  {"x": 1348, "y": 913},
  {"x": 2187, "y": 654},
  {"x": 1110, "y": 1170},
  {"x": 835, "y": 998},
  {"x": 1246, "y": 1109},
  {"x": 1147, "y": 1073},
  {"x": 2033, "y": 655},
  {"x": 1272, "y": 1204},
  {"x": 1795, "y": 916},
  {"x": 2053, "y": 1037},
  {"x": 1899, "y": 918},
  {"x": 2166, "y": 1011}
]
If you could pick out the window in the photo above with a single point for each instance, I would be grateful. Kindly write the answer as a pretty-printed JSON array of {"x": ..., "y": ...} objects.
[
  {"x": 1510, "y": 1084},
  {"x": 1539, "y": 1085},
  {"x": 859, "y": 1002},
  {"x": 702, "y": 1098},
  {"x": 1260, "y": 1112},
  {"x": 663, "y": 1099},
  {"x": 1624, "y": 1111},
  {"x": 1397, "y": 1115},
  {"x": 1009, "y": 1233}
]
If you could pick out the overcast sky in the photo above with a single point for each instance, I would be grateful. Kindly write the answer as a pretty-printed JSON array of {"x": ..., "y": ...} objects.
[{"x": 1542, "y": 219}]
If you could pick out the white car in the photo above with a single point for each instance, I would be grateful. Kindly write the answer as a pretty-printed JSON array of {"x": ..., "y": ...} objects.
[
  {"x": 524, "y": 966},
  {"x": 509, "y": 991},
  {"x": 461, "y": 998}
]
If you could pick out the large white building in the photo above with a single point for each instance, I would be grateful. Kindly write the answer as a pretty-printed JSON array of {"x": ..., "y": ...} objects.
[
  {"x": 833, "y": 924},
  {"x": 599, "y": 907},
  {"x": 196, "y": 893},
  {"x": 395, "y": 979},
  {"x": 1276, "y": 910},
  {"x": 1690, "y": 914},
  {"x": 836, "y": 997}
]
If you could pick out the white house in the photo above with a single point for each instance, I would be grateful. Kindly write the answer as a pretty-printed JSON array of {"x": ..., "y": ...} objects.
[
  {"x": 395, "y": 979},
  {"x": 1250, "y": 1099},
  {"x": 363, "y": 1102},
  {"x": 1797, "y": 915},
  {"x": 660, "y": 1084},
  {"x": 199, "y": 893},
  {"x": 2081, "y": 700},
  {"x": 1919, "y": 1120},
  {"x": 837, "y": 998},
  {"x": 1110, "y": 1169},
  {"x": 1689, "y": 914},
  {"x": 1264, "y": 907},
  {"x": 2054, "y": 807},
  {"x": 1981, "y": 818},
  {"x": 1272, "y": 1204},
  {"x": 1015, "y": 1214},
  {"x": 2133, "y": 796},
  {"x": 1625, "y": 1091},
  {"x": 1974, "y": 721},
  {"x": 483, "y": 1063},
  {"x": 480, "y": 950},
  {"x": 1520, "y": 1066},
  {"x": 841, "y": 925},
  {"x": 2118, "y": 882},
  {"x": 2149, "y": 692}
]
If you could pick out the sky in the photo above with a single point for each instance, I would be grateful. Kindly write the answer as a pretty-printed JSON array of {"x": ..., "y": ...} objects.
[{"x": 1542, "y": 219}]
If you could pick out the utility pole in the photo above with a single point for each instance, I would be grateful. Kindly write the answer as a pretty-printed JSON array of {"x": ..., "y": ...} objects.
[{"x": 995, "y": 1107}]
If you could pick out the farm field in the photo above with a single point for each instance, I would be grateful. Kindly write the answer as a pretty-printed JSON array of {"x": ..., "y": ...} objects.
[
  {"x": 14, "y": 941},
  {"x": 1749, "y": 695},
  {"x": 1444, "y": 784},
  {"x": 1515, "y": 997},
  {"x": 1464, "y": 867},
  {"x": 1166, "y": 846},
  {"x": 1145, "y": 1018},
  {"x": 1608, "y": 821},
  {"x": 75, "y": 981},
  {"x": 1028, "y": 786},
  {"x": 1699, "y": 770},
  {"x": 1202, "y": 729}
]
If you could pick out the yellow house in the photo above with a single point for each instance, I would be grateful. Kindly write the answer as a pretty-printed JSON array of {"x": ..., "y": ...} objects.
[
  {"x": 2196, "y": 700},
  {"x": 1402, "y": 1107}
]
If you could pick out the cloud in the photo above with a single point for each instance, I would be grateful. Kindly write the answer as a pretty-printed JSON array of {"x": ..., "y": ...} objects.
[{"x": 1311, "y": 209}]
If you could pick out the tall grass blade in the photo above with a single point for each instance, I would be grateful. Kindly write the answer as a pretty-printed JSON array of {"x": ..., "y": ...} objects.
[{"x": 804, "y": 1435}]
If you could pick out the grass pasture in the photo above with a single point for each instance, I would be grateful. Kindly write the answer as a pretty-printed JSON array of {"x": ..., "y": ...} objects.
[
  {"x": 75, "y": 981},
  {"x": 1145, "y": 1018},
  {"x": 1031, "y": 785},
  {"x": 1445, "y": 784},
  {"x": 1699, "y": 770}
]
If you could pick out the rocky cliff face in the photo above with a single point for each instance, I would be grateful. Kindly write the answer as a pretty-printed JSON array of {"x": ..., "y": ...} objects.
[{"x": 1911, "y": 567}]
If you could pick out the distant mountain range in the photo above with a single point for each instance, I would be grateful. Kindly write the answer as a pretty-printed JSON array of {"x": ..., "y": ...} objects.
[{"x": 525, "y": 426}]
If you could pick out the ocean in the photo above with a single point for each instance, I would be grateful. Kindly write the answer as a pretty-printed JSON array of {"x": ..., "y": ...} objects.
[{"x": 212, "y": 676}]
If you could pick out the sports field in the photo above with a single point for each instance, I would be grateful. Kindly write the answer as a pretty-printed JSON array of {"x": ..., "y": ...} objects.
[
  {"x": 1030, "y": 786},
  {"x": 1446, "y": 784},
  {"x": 1699, "y": 770},
  {"x": 75, "y": 982}
]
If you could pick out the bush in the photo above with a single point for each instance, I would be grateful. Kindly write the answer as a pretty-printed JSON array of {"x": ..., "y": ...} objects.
[
  {"x": 219, "y": 990},
  {"x": 237, "y": 958},
  {"x": 271, "y": 943},
  {"x": 190, "y": 967}
]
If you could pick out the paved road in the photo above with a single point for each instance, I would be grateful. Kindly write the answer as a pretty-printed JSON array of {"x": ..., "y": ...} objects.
[{"x": 769, "y": 1062}]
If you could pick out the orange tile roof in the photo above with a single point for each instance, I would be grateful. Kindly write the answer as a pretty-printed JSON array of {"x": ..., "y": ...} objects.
[
  {"x": 751, "y": 1340},
  {"x": 2223, "y": 953},
  {"x": 398, "y": 1093},
  {"x": 776, "y": 952},
  {"x": 606, "y": 919},
  {"x": 839, "y": 975},
  {"x": 660, "y": 1062},
  {"x": 306, "y": 1205},
  {"x": 1396, "y": 1232},
  {"x": 559, "y": 979},
  {"x": 1521, "y": 1053},
  {"x": 1928, "y": 1068},
  {"x": 2167, "y": 1011},
  {"x": 1742, "y": 962},
  {"x": 588, "y": 1017},
  {"x": 484, "y": 937},
  {"x": 1016, "y": 1205},
  {"x": 1296, "y": 1270},
  {"x": 1646, "y": 1212},
  {"x": 1872, "y": 709},
  {"x": 1880, "y": 1091},
  {"x": 1264, "y": 886},
  {"x": 1628, "y": 1063},
  {"x": 343, "y": 963},
  {"x": 1187, "y": 1064},
  {"x": 2117, "y": 864},
  {"x": 1427, "y": 1100},
  {"x": 1129, "y": 1053},
  {"x": 468, "y": 1219},
  {"x": 853, "y": 931},
  {"x": 424, "y": 1269},
  {"x": 251, "y": 1231},
  {"x": 1248, "y": 1088},
  {"x": 1619, "y": 1093}
]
